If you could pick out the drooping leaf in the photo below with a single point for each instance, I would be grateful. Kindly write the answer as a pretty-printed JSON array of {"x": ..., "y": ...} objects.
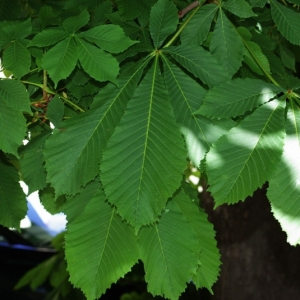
[
  {"x": 227, "y": 45},
  {"x": 12, "y": 199},
  {"x": 169, "y": 250},
  {"x": 100, "y": 248},
  {"x": 284, "y": 191},
  {"x": 235, "y": 97},
  {"x": 108, "y": 37},
  {"x": 236, "y": 166},
  {"x": 17, "y": 59},
  {"x": 163, "y": 21},
  {"x": 85, "y": 136},
  {"x": 240, "y": 8},
  {"x": 55, "y": 111},
  {"x": 97, "y": 63},
  {"x": 196, "y": 31},
  {"x": 65, "y": 55},
  {"x": 186, "y": 96},
  {"x": 32, "y": 163},
  {"x": 287, "y": 21},
  {"x": 147, "y": 161},
  {"x": 48, "y": 37},
  {"x": 208, "y": 271},
  {"x": 72, "y": 24},
  {"x": 200, "y": 63}
]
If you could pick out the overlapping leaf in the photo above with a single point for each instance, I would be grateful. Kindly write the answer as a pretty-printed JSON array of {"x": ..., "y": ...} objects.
[
  {"x": 208, "y": 271},
  {"x": 73, "y": 152},
  {"x": 100, "y": 248},
  {"x": 129, "y": 9},
  {"x": 12, "y": 199},
  {"x": 170, "y": 253},
  {"x": 240, "y": 8},
  {"x": 186, "y": 96},
  {"x": 284, "y": 187},
  {"x": 227, "y": 45},
  {"x": 200, "y": 63},
  {"x": 163, "y": 21},
  {"x": 48, "y": 37},
  {"x": 146, "y": 154},
  {"x": 196, "y": 30},
  {"x": 235, "y": 97},
  {"x": 287, "y": 21},
  {"x": 244, "y": 158},
  {"x": 72, "y": 24}
]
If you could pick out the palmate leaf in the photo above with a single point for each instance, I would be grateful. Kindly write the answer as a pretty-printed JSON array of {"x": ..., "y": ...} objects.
[
  {"x": 227, "y": 45},
  {"x": 32, "y": 163},
  {"x": 17, "y": 59},
  {"x": 72, "y": 24},
  {"x": 169, "y": 250},
  {"x": 235, "y": 97},
  {"x": 100, "y": 248},
  {"x": 287, "y": 21},
  {"x": 200, "y": 63},
  {"x": 147, "y": 160},
  {"x": 240, "y": 8},
  {"x": 244, "y": 158},
  {"x": 186, "y": 95},
  {"x": 108, "y": 37},
  {"x": 284, "y": 190},
  {"x": 208, "y": 271},
  {"x": 48, "y": 37},
  {"x": 65, "y": 55},
  {"x": 73, "y": 152},
  {"x": 163, "y": 21},
  {"x": 99, "y": 64},
  {"x": 12, "y": 199},
  {"x": 196, "y": 30}
]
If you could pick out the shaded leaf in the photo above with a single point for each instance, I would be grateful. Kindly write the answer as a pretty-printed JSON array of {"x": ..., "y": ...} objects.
[
  {"x": 72, "y": 24},
  {"x": 147, "y": 161},
  {"x": 100, "y": 248},
  {"x": 170, "y": 253},
  {"x": 240, "y": 8},
  {"x": 55, "y": 111},
  {"x": 163, "y": 21},
  {"x": 129, "y": 9}
]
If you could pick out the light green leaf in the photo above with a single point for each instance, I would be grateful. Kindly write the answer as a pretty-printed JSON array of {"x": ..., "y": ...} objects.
[
  {"x": 72, "y": 24},
  {"x": 55, "y": 111},
  {"x": 170, "y": 253},
  {"x": 208, "y": 271},
  {"x": 129, "y": 9},
  {"x": 48, "y": 37},
  {"x": 287, "y": 21},
  {"x": 73, "y": 152},
  {"x": 284, "y": 191},
  {"x": 65, "y": 55},
  {"x": 163, "y": 21},
  {"x": 12, "y": 199},
  {"x": 240, "y": 8},
  {"x": 14, "y": 94},
  {"x": 196, "y": 30},
  {"x": 97, "y": 63},
  {"x": 147, "y": 160},
  {"x": 200, "y": 63},
  {"x": 17, "y": 59},
  {"x": 108, "y": 37},
  {"x": 12, "y": 128},
  {"x": 255, "y": 58},
  {"x": 235, "y": 97},
  {"x": 100, "y": 248},
  {"x": 227, "y": 45},
  {"x": 236, "y": 166},
  {"x": 186, "y": 96},
  {"x": 32, "y": 163}
]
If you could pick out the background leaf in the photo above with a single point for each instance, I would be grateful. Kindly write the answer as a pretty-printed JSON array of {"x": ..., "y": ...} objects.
[
  {"x": 240, "y": 8},
  {"x": 55, "y": 111},
  {"x": 72, "y": 24},
  {"x": 163, "y": 21}
]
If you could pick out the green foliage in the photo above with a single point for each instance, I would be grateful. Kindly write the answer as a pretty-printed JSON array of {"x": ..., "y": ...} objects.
[{"x": 136, "y": 94}]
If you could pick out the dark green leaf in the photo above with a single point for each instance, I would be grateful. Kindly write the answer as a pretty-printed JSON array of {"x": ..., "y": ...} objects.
[
  {"x": 48, "y": 37},
  {"x": 240, "y": 8},
  {"x": 55, "y": 111},
  {"x": 72, "y": 24}
]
